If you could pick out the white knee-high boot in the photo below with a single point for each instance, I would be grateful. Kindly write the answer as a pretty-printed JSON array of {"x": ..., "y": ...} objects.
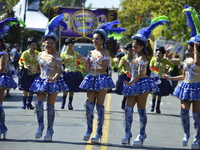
[
  {"x": 99, "y": 133},
  {"x": 196, "y": 142},
  {"x": 40, "y": 118},
  {"x": 50, "y": 119},
  {"x": 128, "y": 123},
  {"x": 90, "y": 116},
  {"x": 185, "y": 119},
  {"x": 3, "y": 128},
  {"x": 142, "y": 134}
]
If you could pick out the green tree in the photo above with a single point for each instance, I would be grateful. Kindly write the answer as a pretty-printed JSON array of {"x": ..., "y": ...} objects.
[
  {"x": 14, "y": 34},
  {"x": 46, "y": 4},
  {"x": 131, "y": 10}
]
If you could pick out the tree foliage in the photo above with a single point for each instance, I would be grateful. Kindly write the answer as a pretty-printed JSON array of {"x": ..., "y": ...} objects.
[
  {"x": 19, "y": 35},
  {"x": 46, "y": 4},
  {"x": 133, "y": 10},
  {"x": 14, "y": 35}
]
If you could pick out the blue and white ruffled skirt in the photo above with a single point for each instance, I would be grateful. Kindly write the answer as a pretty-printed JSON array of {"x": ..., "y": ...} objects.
[
  {"x": 6, "y": 81},
  {"x": 143, "y": 85},
  {"x": 188, "y": 91},
  {"x": 97, "y": 83},
  {"x": 43, "y": 86}
]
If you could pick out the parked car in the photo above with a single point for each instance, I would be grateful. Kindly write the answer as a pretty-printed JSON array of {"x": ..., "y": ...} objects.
[{"x": 81, "y": 48}]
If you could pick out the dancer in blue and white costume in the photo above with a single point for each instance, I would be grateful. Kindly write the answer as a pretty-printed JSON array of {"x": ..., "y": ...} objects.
[
  {"x": 188, "y": 90},
  {"x": 98, "y": 81},
  {"x": 141, "y": 85},
  {"x": 6, "y": 81},
  {"x": 49, "y": 83}
]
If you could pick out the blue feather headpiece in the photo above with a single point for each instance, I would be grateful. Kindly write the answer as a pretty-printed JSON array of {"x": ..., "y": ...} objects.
[
  {"x": 179, "y": 49},
  {"x": 192, "y": 22},
  {"x": 144, "y": 33},
  {"x": 107, "y": 30},
  {"x": 53, "y": 25},
  {"x": 7, "y": 23}
]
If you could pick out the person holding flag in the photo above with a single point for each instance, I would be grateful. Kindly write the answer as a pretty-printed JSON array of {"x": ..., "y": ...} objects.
[
  {"x": 176, "y": 60},
  {"x": 28, "y": 72},
  {"x": 124, "y": 71},
  {"x": 158, "y": 65},
  {"x": 72, "y": 75}
]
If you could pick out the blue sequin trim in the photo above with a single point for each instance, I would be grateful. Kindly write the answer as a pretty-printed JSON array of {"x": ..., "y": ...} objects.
[
  {"x": 143, "y": 85},
  {"x": 97, "y": 83}
]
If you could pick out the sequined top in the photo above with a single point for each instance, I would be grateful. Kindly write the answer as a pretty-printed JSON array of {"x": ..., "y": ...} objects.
[
  {"x": 50, "y": 64},
  {"x": 4, "y": 56},
  {"x": 192, "y": 71},
  {"x": 123, "y": 68},
  {"x": 27, "y": 59},
  {"x": 161, "y": 66},
  {"x": 70, "y": 62},
  {"x": 96, "y": 60},
  {"x": 138, "y": 65}
]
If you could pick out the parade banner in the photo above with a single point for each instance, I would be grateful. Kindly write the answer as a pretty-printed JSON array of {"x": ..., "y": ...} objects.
[
  {"x": 81, "y": 22},
  {"x": 33, "y": 5}
]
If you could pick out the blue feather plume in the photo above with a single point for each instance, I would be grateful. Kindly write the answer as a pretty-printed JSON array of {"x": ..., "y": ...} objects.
[
  {"x": 108, "y": 27},
  {"x": 6, "y": 24},
  {"x": 55, "y": 23},
  {"x": 147, "y": 31},
  {"x": 190, "y": 22},
  {"x": 179, "y": 49}
]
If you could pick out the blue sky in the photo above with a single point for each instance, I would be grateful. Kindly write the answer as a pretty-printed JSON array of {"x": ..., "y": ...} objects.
[{"x": 103, "y": 3}]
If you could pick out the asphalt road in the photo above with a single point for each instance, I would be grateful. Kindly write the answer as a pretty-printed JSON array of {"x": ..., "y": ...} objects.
[{"x": 164, "y": 131}]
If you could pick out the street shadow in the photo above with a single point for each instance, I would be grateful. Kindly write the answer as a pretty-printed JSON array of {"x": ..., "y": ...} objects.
[
  {"x": 18, "y": 97},
  {"x": 163, "y": 114},
  {"x": 133, "y": 146},
  {"x": 148, "y": 114},
  {"x": 93, "y": 144},
  {"x": 140, "y": 147}
]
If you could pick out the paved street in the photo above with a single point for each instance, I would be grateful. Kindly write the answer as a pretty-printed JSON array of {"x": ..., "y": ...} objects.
[{"x": 164, "y": 131}]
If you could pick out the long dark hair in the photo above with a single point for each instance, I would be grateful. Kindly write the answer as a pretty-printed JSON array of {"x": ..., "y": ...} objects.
[
  {"x": 141, "y": 43},
  {"x": 103, "y": 38},
  {"x": 192, "y": 45},
  {"x": 149, "y": 48}
]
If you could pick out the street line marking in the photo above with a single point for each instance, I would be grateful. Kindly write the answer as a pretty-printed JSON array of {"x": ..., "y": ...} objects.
[
  {"x": 89, "y": 145},
  {"x": 104, "y": 139},
  {"x": 106, "y": 123}
]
